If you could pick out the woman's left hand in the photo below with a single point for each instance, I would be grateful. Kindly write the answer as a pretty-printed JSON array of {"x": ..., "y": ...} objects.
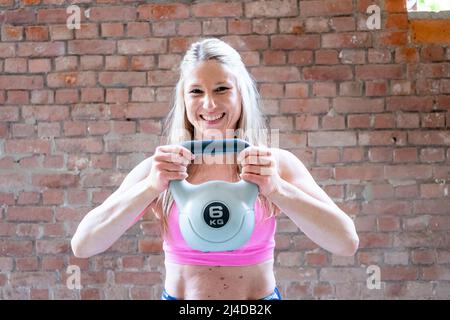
[{"x": 260, "y": 166}]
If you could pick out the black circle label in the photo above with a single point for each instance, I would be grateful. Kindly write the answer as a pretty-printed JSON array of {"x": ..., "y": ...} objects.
[{"x": 216, "y": 214}]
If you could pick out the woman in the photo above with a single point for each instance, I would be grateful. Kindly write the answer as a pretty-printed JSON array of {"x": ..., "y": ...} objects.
[{"x": 216, "y": 98}]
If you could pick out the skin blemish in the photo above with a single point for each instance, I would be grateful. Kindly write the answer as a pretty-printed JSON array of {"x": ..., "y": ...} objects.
[
  {"x": 222, "y": 278},
  {"x": 241, "y": 277},
  {"x": 225, "y": 286}
]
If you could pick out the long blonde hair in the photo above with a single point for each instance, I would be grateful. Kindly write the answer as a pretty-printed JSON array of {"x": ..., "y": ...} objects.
[{"x": 251, "y": 126}]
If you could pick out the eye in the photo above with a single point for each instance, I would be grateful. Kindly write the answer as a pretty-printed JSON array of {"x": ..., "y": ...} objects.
[
  {"x": 224, "y": 88},
  {"x": 193, "y": 91}
]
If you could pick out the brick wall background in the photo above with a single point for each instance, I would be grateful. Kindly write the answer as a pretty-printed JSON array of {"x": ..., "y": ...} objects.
[{"x": 366, "y": 110}]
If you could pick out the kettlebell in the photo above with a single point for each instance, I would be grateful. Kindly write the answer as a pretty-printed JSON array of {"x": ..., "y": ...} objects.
[{"x": 215, "y": 215}]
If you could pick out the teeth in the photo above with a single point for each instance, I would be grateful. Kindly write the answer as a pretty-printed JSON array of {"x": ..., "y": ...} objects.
[{"x": 213, "y": 117}]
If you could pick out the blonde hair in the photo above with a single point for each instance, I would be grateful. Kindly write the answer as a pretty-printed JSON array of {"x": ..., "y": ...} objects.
[{"x": 251, "y": 125}]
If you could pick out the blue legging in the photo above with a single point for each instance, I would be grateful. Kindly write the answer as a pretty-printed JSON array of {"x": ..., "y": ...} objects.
[{"x": 275, "y": 295}]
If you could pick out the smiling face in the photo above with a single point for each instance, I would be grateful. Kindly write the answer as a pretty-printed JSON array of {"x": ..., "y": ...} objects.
[{"x": 213, "y": 103}]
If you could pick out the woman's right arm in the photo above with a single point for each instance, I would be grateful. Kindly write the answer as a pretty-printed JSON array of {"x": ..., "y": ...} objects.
[{"x": 103, "y": 225}]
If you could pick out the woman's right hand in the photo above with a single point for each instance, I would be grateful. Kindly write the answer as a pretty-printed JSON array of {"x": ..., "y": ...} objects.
[{"x": 169, "y": 163}]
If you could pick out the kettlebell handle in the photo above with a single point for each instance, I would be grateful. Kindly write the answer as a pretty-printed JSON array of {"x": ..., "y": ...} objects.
[{"x": 215, "y": 146}]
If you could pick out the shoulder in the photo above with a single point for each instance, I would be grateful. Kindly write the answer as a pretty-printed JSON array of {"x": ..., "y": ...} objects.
[{"x": 289, "y": 165}]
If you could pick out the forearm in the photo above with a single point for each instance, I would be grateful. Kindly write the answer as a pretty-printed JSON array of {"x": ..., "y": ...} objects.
[
  {"x": 326, "y": 225},
  {"x": 103, "y": 225}
]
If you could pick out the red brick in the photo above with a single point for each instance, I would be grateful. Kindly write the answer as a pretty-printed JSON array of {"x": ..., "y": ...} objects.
[
  {"x": 379, "y": 72},
  {"x": 274, "y": 57},
  {"x": 395, "y": 6},
  {"x": 409, "y": 103},
  {"x": 87, "y": 31},
  {"x": 405, "y": 155},
  {"x": 379, "y": 56},
  {"x": 359, "y": 173},
  {"x": 380, "y": 154},
  {"x": 340, "y": 24},
  {"x": 217, "y": 9},
  {"x": 397, "y": 21},
  {"x": 433, "y": 120},
  {"x": 162, "y": 11},
  {"x": 300, "y": 57},
  {"x": 306, "y": 123},
  {"x": 82, "y": 47},
  {"x": 40, "y": 49},
  {"x": 21, "y": 82},
  {"x": 352, "y": 56},
  {"x": 323, "y": 73},
  {"x": 376, "y": 88},
  {"x": 117, "y": 95},
  {"x": 66, "y": 63},
  {"x": 324, "y": 89},
  {"x": 192, "y": 28},
  {"x": 431, "y": 31},
  {"x": 432, "y": 155},
  {"x": 12, "y": 33},
  {"x": 328, "y": 155},
  {"x": 358, "y": 121},
  {"x": 432, "y": 54},
  {"x": 357, "y": 105},
  {"x": 271, "y": 9},
  {"x": 69, "y": 79},
  {"x": 238, "y": 26},
  {"x": 276, "y": 74},
  {"x": 350, "y": 88},
  {"x": 319, "y": 139},
  {"x": 147, "y": 46},
  {"x": 326, "y": 8},
  {"x": 20, "y": 16},
  {"x": 406, "y": 55},
  {"x": 168, "y": 28},
  {"x": 116, "y": 63},
  {"x": 382, "y": 138},
  {"x": 116, "y": 13},
  {"x": 286, "y": 42},
  {"x": 388, "y": 38},
  {"x": 92, "y": 95},
  {"x": 36, "y": 33},
  {"x": 346, "y": 40},
  {"x": 60, "y": 32},
  {"x": 54, "y": 16},
  {"x": 39, "y": 65},
  {"x": 311, "y": 106},
  {"x": 122, "y": 78},
  {"x": 326, "y": 57},
  {"x": 316, "y": 25},
  {"x": 138, "y": 29}
]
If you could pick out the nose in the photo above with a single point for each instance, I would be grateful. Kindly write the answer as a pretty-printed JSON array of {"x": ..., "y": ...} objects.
[{"x": 208, "y": 102}]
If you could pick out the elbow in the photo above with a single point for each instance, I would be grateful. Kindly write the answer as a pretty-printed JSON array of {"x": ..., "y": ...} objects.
[
  {"x": 350, "y": 247},
  {"x": 78, "y": 248}
]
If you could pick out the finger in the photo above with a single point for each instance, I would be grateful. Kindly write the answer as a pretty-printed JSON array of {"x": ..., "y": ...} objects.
[
  {"x": 177, "y": 149},
  {"x": 176, "y": 175},
  {"x": 255, "y": 151},
  {"x": 171, "y": 158},
  {"x": 260, "y": 170},
  {"x": 170, "y": 167},
  {"x": 259, "y": 160}
]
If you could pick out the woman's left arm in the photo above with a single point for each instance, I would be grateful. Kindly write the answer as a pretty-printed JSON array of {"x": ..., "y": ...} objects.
[{"x": 287, "y": 183}]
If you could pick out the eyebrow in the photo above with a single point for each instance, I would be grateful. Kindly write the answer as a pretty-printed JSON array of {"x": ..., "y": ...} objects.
[{"x": 197, "y": 85}]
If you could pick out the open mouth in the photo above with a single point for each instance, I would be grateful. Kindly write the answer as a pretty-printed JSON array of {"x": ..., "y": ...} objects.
[{"x": 212, "y": 119}]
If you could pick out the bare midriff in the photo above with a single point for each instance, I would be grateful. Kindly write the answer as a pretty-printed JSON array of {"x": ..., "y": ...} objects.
[{"x": 219, "y": 282}]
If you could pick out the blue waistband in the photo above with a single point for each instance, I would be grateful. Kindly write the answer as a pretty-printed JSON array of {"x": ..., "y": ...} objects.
[{"x": 275, "y": 295}]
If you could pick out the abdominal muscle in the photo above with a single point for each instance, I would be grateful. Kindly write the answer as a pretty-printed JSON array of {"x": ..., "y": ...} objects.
[{"x": 190, "y": 282}]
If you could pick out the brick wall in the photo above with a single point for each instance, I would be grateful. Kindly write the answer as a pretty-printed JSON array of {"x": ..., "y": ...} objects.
[{"x": 366, "y": 110}]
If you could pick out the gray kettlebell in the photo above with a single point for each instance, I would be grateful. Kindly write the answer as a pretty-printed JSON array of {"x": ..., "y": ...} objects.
[{"x": 215, "y": 215}]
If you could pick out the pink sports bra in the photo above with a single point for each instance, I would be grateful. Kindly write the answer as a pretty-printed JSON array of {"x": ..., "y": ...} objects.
[{"x": 258, "y": 249}]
